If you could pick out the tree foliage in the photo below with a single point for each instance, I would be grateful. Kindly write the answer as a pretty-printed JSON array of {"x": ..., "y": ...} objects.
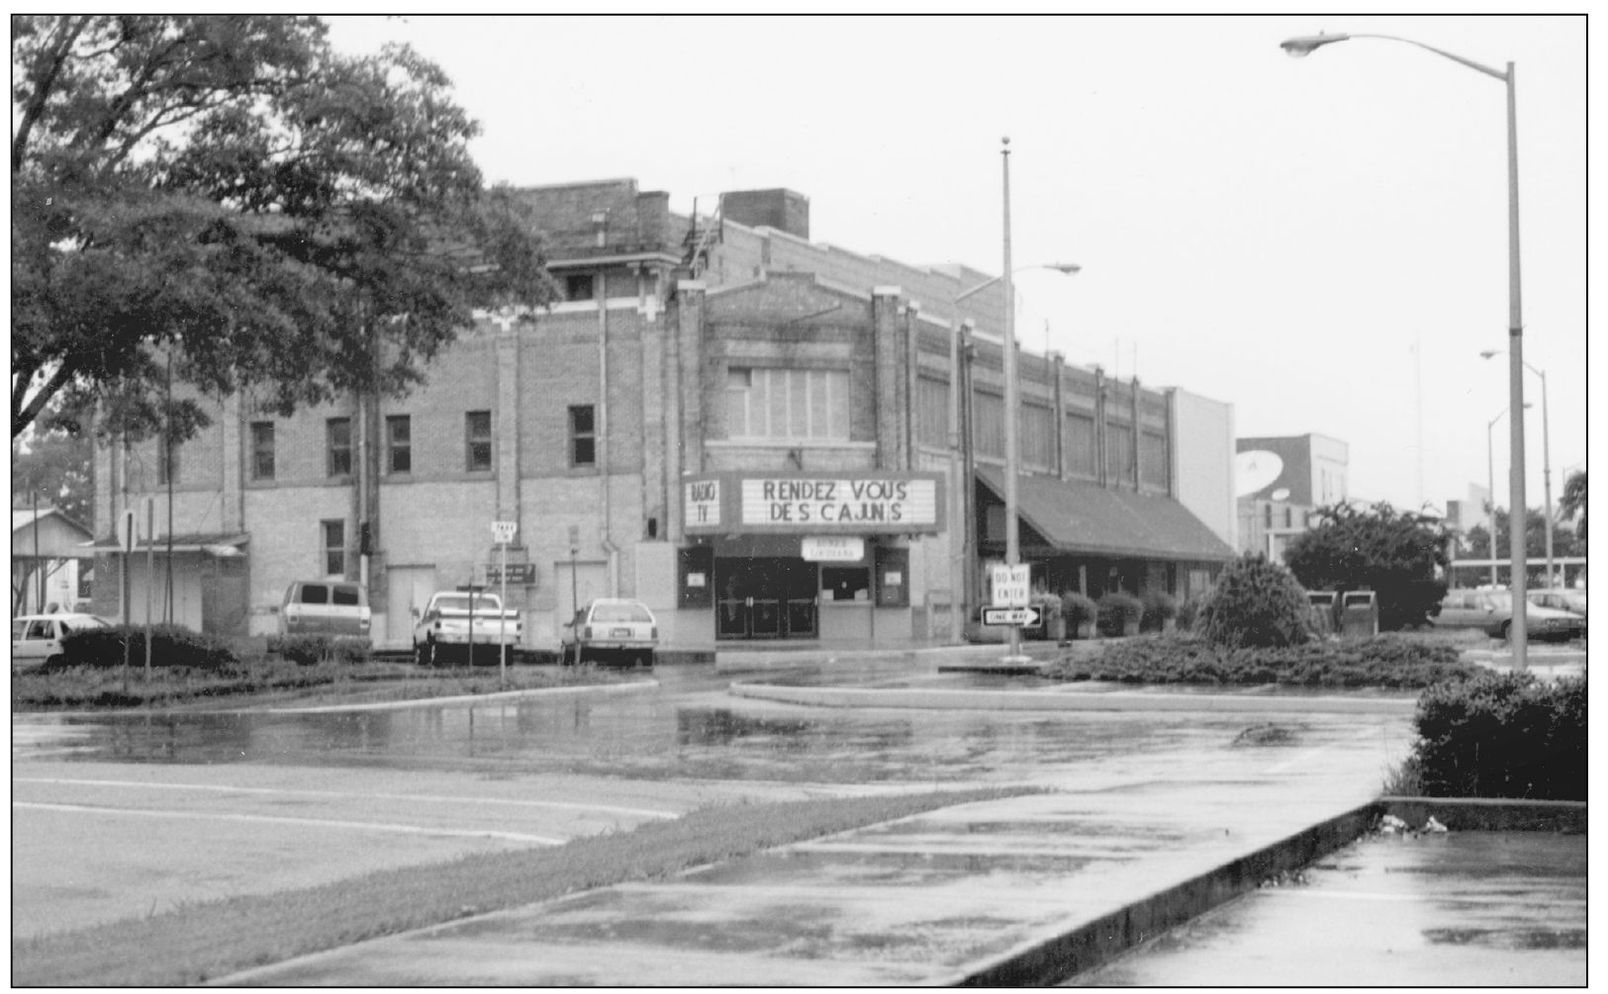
[
  {"x": 1394, "y": 553},
  {"x": 230, "y": 190},
  {"x": 1572, "y": 503},
  {"x": 1566, "y": 540},
  {"x": 55, "y": 466}
]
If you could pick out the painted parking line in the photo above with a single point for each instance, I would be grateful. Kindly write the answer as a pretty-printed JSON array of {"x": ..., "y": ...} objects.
[
  {"x": 425, "y": 798},
  {"x": 544, "y": 840}
]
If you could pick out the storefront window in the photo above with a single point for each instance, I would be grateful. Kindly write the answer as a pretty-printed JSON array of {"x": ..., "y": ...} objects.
[
  {"x": 845, "y": 583},
  {"x": 893, "y": 577}
]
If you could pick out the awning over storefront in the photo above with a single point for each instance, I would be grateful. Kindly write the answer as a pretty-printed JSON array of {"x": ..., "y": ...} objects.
[
  {"x": 1090, "y": 519},
  {"x": 220, "y": 544}
]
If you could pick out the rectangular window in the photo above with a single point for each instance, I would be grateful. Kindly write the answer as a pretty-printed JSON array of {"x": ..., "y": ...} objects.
[
  {"x": 398, "y": 443},
  {"x": 334, "y": 547},
  {"x": 582, "y": 436},
  {"x": 338, "y": 453},
  {"x": 1080, "y": 448},
  {"x": 477, "y": 441},
  {"x": 1038, "y": 437},
  {"x": 988, "y": 434},
  {"x": 932, "y": 412},
  {"x": 578, "y": 287},
  {"x": 1119, "y": 453},
  {"x": 262, "y": 450},
  {"x": 167, "y": 462},
  {"x": 1153, "y": 458},
  {"x": 787, "y": 403},
  {"x": 892, "y": 577}
]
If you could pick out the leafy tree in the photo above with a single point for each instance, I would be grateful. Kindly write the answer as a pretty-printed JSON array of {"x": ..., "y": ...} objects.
[
  {"x": 1566, "y": 541},
  {"x": 1573, "y": 502},
  {"x": 1394, "y": 553},
  {"x": 54, "y": 465},
  {"x": 230, "y": 191}
]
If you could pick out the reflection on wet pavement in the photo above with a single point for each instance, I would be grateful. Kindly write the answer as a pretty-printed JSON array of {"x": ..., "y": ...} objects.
[{"x": 685, "y": 728}]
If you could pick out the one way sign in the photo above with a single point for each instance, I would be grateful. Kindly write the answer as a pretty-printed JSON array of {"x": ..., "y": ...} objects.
[{"x": 1027, "y": 617}]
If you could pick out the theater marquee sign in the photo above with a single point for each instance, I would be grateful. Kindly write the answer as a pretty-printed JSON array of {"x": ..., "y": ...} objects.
[{"x": 822, "y": 504}]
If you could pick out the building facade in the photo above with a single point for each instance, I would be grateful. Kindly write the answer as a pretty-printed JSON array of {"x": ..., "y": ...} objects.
[
  {"x": 1281, "y": 481},
  {"x": 759, "y": 436}
]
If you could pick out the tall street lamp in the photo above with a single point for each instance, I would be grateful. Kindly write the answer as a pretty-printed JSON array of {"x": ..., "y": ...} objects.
[
  {"x": 1298, "y": 47},
  {"x": 956, "y": 459},
  {"x": 1546, "y": 454}
]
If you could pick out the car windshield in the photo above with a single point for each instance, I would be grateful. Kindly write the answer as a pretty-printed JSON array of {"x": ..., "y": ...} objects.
[{"x": 620, "y": 612}]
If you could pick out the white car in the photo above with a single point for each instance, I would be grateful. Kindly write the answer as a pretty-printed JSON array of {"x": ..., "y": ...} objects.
[
  {"x": 610, "y": 627},
  {"x": 36, "y": 638},
  {"x": 459, "y": 621}
]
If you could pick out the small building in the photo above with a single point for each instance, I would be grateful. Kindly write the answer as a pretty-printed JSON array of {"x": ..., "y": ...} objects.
[
  {"x": 760, "y": 436},
  {"x": 50, "y": 561}
]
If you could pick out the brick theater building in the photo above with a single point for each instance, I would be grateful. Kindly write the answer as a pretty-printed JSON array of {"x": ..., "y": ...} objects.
[{"x": 751, "y": 432}]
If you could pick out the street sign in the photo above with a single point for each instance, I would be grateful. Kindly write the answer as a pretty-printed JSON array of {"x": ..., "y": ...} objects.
[
  {"x": 521, "y": 573},
  {"x": 1010, "y": 585},
  {"x": 1027, "y": 617},
  {"x": 503, "y": 532}
]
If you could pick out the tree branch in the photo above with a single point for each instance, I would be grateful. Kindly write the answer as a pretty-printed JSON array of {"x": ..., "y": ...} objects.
[
  {"x": 34, "y": 108},
  {"x": 30, "y": 412}
]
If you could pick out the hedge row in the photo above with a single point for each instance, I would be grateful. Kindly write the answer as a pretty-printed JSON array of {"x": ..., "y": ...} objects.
[
  {"x": 171, "y": 645},
  {"x": 1502, "y": 735},
  {"x": 306, "y": 650},
  {"x": 1393, "y": 661}
]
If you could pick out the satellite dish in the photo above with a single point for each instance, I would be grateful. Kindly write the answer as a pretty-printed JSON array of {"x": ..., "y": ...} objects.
[
  {"x": 1282, "y": 493},
  {"x": 1255, "y": 469}
]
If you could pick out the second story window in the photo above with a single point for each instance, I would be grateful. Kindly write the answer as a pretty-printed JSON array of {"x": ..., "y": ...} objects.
[
  {"x": 582, "y": 436},
  {"x": 338, "y": 450},
  {"x": 398, "y": 443},
  {"x": 477, "y": 441},
  {"x": 787, "y": 403},
  {"x": 262, "y": 450}
]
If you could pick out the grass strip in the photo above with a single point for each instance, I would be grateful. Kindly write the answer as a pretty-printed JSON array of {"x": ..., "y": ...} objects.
[{"x": 197, "y": 942}]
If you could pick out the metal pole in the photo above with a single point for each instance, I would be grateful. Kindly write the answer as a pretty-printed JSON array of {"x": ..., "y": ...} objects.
[
  {"x": 1518, "y": 633},
  {"x": 1546, "y": 471},
  {"x": 150, "y": 570},
  {"x": 957, "y": 550},
  {"x": 1490, "y": 498},
  {"x": 38, "y": 571},
  {"x": 1012, "y": 548},
  {"x": 502, "y": 620}
]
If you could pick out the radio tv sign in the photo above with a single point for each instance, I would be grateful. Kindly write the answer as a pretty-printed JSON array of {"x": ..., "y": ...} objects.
[{"x": 818, "y": 504}]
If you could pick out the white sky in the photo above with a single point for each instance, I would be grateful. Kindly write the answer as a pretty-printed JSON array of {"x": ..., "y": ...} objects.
[{"x": 1280, "y": 234}]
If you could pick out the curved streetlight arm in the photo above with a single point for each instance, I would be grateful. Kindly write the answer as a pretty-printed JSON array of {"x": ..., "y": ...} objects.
[
  {"x": 1061, "y": 267},
  {"x": 1303, "y": 46}
]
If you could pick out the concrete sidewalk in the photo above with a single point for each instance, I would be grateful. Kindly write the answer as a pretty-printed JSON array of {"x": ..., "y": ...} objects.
[{"x": 1014, "y": 891}]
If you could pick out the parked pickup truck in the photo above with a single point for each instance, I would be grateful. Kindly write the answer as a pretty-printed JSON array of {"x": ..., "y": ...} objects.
[{"x": 453, "y": 620}]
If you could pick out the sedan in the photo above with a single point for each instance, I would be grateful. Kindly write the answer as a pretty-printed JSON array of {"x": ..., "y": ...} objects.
[
  {"x": 1564, "y": 599},
  {"x": 610, "y": 628},
  {"x": 36, "y": 638},
  {"x": 1491, "y": 611}
]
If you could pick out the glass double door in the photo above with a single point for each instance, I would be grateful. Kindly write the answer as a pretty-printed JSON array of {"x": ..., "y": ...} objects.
[{"x": 765, "y": 598}]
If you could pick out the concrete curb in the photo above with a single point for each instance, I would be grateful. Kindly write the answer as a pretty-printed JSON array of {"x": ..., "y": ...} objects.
[
  {"x": 1058, "y": 700},
  {"x": 423, "y": 702},
  {"x": 1053, "y": 959}
]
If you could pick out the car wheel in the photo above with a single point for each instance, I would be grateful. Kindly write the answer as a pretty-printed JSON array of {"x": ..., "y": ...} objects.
[{"x": 1507, "y": 630}]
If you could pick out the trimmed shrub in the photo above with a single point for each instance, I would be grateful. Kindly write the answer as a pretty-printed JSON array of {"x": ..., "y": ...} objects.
[
  {"x": 1160, "y": 607},
  {"x": 1078, "y": 609},
  {"x": 1255, "y": 603},
  {"x": 306, "y": 650},
  {"x": 1117, "y": 610},
  {"x": 1502, "y": 735},
  {"x": 1389, "y": 661},
  {"x": 171, "y": 645}
]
